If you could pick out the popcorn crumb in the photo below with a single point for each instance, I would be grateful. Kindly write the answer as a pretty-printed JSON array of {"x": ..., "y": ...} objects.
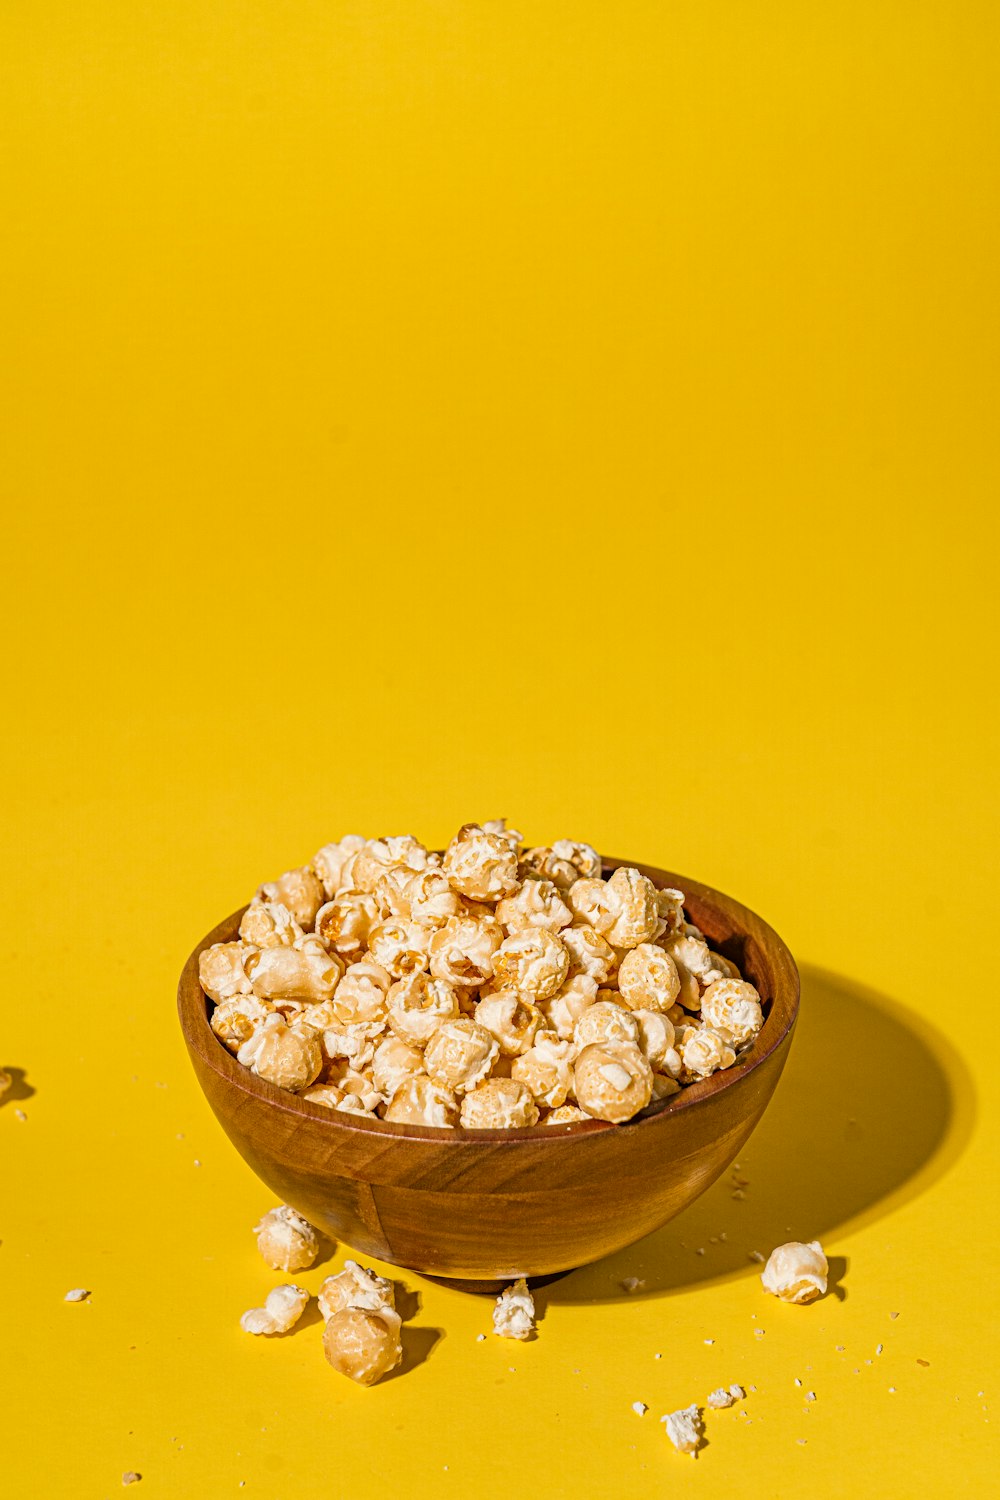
[
  {"x": 878, "y": 1348},
  {"x": 737, "y": 1193},
  {"x": 480, "y": 1338},
  {"x": 797, "y": 1380},
  {"x": 841, "y": 1348},
  {"x": 632, "y": 1284},
  {"x": 640, "y": 1408},
  {"x": 738, "y": 1393},
  {"x": 514, "y": 1314},
  {"x": 720, "y": 1399},
  {"x": 892, "y": 1390},
  {"x": 657, "y": 1356},
  {"x": 78, "y": 1294},
  {"x": 700, "y": 1252},
  {"x": 758, "y": 1333},
  {"x": 131, "y": 1477},
  {"x": 708, "y": 1341},
  {"x": 927, "y": 1364},
  {"x": 19, "y": 1114},
  {"x": 810, "y": 1395},
  {"x": 684, "y": 1429},
  {"x": 894, "y": 1316},
  {"x": 756, "y": 1255}
]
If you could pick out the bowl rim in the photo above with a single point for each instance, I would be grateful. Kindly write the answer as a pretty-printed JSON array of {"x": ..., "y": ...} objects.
[{"x": 744, "y": 922}]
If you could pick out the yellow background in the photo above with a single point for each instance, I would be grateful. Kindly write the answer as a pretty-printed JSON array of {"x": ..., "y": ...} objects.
[{"x": 428, "y": 410}]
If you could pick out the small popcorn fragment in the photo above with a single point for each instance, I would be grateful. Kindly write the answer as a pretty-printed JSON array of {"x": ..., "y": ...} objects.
[
  {"x": 640, "y": 1408},
  {"x": 720, "y": 1399},
  {"x": 756, "y": 1255},
  {"x": 738, "y": 1393},
  {"x": 684, "y": 1429},
  {"x": 283, "y": 1307},
  {"x": 20, "y": 1115},
  {"x": 796, "y": 1272},
  {"x": 286, "y": 1240},
  {"x": 131, "y": 1477},
  {"x": 632, "y": 1284},
  {"x": 78, "y": 1294},
  {"x": 514, "y": 1314}
]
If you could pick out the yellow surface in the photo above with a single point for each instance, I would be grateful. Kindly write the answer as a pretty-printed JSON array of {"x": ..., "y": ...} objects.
[{"x": 417, "y": 411}]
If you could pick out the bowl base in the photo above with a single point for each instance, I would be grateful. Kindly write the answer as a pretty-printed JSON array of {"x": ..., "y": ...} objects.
[{"x": 491, "y": 1288}]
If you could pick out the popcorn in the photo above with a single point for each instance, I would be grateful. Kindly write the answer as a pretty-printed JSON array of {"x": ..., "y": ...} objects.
[
  {"x": 355, "y": 1044},
  {"x": 221, "y": 973},
  {"x": 566, "y": 1114},
  {"x": 587, "y": 900},
  {"x": 394, "y": 1061},
  {"x": 268, "y": 924},
  {"x": 481, "y": 865},
  {"x": 355, "y": 1286},
  {"x": 300, "y": 890},
  {"x": 286, "y": 1240},
  {"x": 684, "y": 1429},
  {"x": 670, "y": 909},
  {"x": 720, "y": 1399},
  {"x": 532, "y": 960},
  {"x": 499, "y": 1104},
  {"x": 328, "y": 862},
  {"x": 564, "y": 1010},
  {"x": 400, "y": 947},
  {"x": 460, "y": 1054},
  {"x": 546, "y": 1069},
  {"x": 648, "y": 978},
  {"x": 418, "y": 1005},
  {"x": 607, "y": 1024},
  {"x": 498, "y": 826},
  {"x": 235, "y": 1020},
  {"x": 631, "y": 904},
  {"x": 379, "y": 854},
  {"x": 612, "y": 1084},
  {"x": 430, "y": 898},
  {"x": 421, "y": 1101},
  {"x": 511, "y": 1019},
  {"x": 344, "y": 923},
  {"x": 537, "y": 904},
  {"x": 290, "y": 1057},
  {"x": 703, "y": 1051},
  {"x": 283, "y": 1307},
  {"x": 462, "y": 950},
  {"x": 354, "y": 1083},
  {"x": 565, "y": 862},
  {"x": 363, "y": 1343},
  {"x": 361, "y": 997},
  {"x": 655, "y": 1036},
  {"x": 732, "y": 1008},
  {"x": 796, "y": 1272},
  {"x": 589, "y": 954},
  {"x": 308, "y": 974},
  {"x": 514, "y": 1313}
]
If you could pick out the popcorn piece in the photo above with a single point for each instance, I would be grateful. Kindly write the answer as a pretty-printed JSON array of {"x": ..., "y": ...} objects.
[
  {"x": 221, "y": 973},
  {"x": 344, "y": 923},
  {"x": 648, "y": 978},
  {"x": 290, "y": 1057},
  {"x": 395, "y": 1061},
  {"x": 283, "y": 1307},
  {"x": 363, "y": 1343},
  {"x": 361, "y": 997},
  {"x": 234, "y": 1021},
  {"x": 327, "y": 1095},
  {"x": 300, "y": 890},
  {"x": 499, "y": 1104},
  {"x": 462, "y": 951},
  {"x": 268, "y": 924},
  {"x": 732, "y": 1008},
  {"x": 664, "y": 1087},
  {"x": 353, "y": 1082},
  {"x": 796, "y": 1272},
  {"x": 704, "y": 1051},
  {"x": 532, "y": 960},
  {"x": 286, "y": 1240},
  {"x": 631, "y": 903},
  {"x": 566, "y": 1114},
  {"x": 670, "y": 908},
  {"x": 511, "y": 1019},
  {"x": 564, "y": 1010},
  {"x": 430, "y": 898},
  {"x": 546, "y": 1069},
  {"x": 131, "y": 1476},
  {"x": 640, "y": 1408},
  {"x": 720, "y": 1399},
  {"x": 328, "y": 862},
  {"x": 308, "y": 974},
  {"x": 564, "y": 863},
  {"x": 421, "y": 1101},
  {"x": 587, "y": 900},
  {"x": 498, "y": 827},
  {"x": 589, "y": 954},
  {"x": 655, "y": 1038},
  {"x": 684, "y": 1429},
  {"x": 78, "y": 1294},
  {"x": 481, "y": 865},
  {"x": 537, "y": 904},
  {"x": 612, "y": 1084},
  {"x": 460, "y": 1054},
  {"x": 355, "y": 1286},
  {"x": 418, "y": 1005},
  {"x": 400, "y": 947},
  {"x": 514, "y": 1314},
  {"x": 606, "y": 1024},
  {"x": 353, "y": 1044}
]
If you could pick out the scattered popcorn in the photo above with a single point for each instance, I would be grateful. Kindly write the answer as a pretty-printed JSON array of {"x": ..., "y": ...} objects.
[
  {"x": 363, "y": 1343},
  {"x": 514, "y": 1314},
  {"x": 78, "y": 1294},
  {"x": 355, "y": 1286},
  {"x": 684, "y": 1429},
  {"x": 632, "y": 1284},
  {"x": 286, "y": 1240},
  {"x": 640, "y": 1408},
  {"x": 131, "y": 1477},
  {"x": 722, "y": 1398},
  {"x": 738, "y": 1393},
  {"x": 756, "y": 1255},
  {"x": 796, "y": 1272},
  {"x": 283, "y": 1307},
  {"x": 810, "y": 1395},
  {"x": 480, "y": 1338},
  {"x": 493, "y": 986}
]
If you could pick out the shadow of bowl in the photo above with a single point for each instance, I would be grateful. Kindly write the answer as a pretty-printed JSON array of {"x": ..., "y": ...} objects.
[{"x": 872, "y": 1108}]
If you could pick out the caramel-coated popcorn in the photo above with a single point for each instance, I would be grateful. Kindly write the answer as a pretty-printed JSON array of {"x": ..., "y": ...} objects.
[
  {"x": 286, "y": 1240},
  {"x": 283, "y": 1307},
  {"x": 355, "y": 1286},
  {"x": 493, "y": 986},
  {"x": 363, "y": 1343},
  {"x": 796, "y": 1272}
]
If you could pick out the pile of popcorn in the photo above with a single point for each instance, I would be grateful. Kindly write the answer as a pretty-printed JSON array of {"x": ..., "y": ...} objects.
[{"x": 492, "y": 987}]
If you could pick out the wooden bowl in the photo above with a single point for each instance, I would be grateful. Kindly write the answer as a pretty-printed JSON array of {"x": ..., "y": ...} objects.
[{"x": 484, "y": 1206}]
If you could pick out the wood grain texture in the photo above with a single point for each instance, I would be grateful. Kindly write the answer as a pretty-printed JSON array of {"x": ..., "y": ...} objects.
[{"x": 487, "y": 1206}]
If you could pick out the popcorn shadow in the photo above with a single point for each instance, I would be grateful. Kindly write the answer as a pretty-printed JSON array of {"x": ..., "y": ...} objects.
[
  {"x": 20, "y": 1088},
  {"x": 417, "y": 1346},
  {"x": 873, "y": 1108}
]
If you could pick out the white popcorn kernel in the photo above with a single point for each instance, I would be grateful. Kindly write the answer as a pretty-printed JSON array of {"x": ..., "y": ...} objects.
[
  {"x": 589, "y": 954},
  {"x": 566, "y": 1114},
  {"x": 796, "y": 1272},
  {"x": 307, "y": 973},
  {"x": 353, "y": 1044},
  {"x": 401, "y": 948},
  {"x": 499, "y": 1104},
  {"x": 290, "y": 1057},
  {"x": 514, "y": 1313},
  {"x": 421, "y": 1101},
  {"x": 565, "y": 1008},
  {"x": 78, "y": 1294},
  {"x": 234, "y": 1021},
  {"x": 532, "y": 960},
  {"x": 328, "y": 862},
  {"x": 353, "y": 1082},
  {"x": 648, "y": 978},
  {"x": 379, "y": 854},
  {"x": 655, "y": 1038},
  {"x": 462, "y": 950},
  {"x": 283, "y": 1307},
  {"x": 363, "y": 1343},
  {"x": 360, "y": 999},
  {"x": 392, "y": 891},
  {"x": 221, "y": 971},
  {"x": 670, "y": 908},
  {"x": 418, "y": 1005},
  {"x": 737, "y": 1392},
  {"x": 587, "y": 899},
  {"x": 343, "y": 924},
  {"x": 394, "y": 1061},
  {"x": 355, "y": 1286},
  {"x": 460, "y": 1054},
  {"x": 546, "y": 1069},
  {"x": 640, "y": 1408},
  {"x": 613, "y": 1084},
  {"x": 268, "y": 924},
  {"x": 732, "y": 1008},
  {"x": 430, "y": 898},
  {"x": 720, "y": 1399},
  {"x": 607, "y": 1024},
  {"x": 564, "y": 863},
  {"x": 704, "y": 1051},
  {"x": 511, "y": 1019},
  {"x": 631, "y": 903},
  {"x": 498, "y": 827},
  {"x": 684, "y": 1429},
  {"x": 300, "y": 890},
  {"x": 286, "y": 1240},
  {"x": 481, "y": 865},
  {"x": 537, "y": 904}
]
